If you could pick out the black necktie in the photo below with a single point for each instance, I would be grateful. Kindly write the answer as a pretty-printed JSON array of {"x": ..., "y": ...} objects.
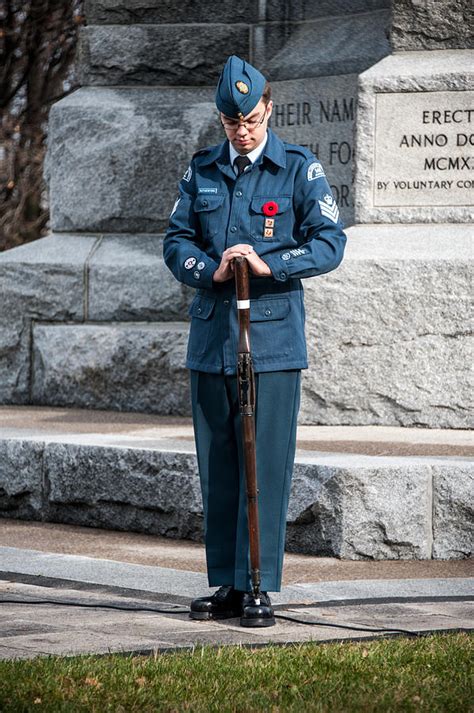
[{"x": 242, "y": 162}]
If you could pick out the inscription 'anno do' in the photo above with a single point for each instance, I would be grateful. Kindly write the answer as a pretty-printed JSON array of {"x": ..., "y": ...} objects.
[{"x": 441, "y": 140}]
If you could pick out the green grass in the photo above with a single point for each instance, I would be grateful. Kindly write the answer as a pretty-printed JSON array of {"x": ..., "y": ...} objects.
[{"x": 429, "y": 674}]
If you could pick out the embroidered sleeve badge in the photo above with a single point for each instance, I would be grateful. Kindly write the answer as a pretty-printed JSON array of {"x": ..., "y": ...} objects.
[
  {"x": 295, "y": 252},
  {"x": 315, "y": 170},
  {"x": 328, "y": 208},
  {"x": 190, "y": 262}
]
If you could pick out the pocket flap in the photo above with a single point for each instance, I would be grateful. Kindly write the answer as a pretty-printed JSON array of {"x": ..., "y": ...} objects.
[
  {"x": 264, "y": 310},
  {"x": 283, "y": 203},
  {"x": 208, "y": 201},
  {"x": 202, "y": 307}
]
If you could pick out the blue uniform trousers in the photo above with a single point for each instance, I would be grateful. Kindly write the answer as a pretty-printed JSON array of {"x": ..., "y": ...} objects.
[{"x": 217, "y": 430}]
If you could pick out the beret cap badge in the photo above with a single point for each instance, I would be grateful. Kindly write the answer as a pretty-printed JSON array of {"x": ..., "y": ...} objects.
[
  {"x": 242, "y": 87},
  {"x": 239, "y": 88}
]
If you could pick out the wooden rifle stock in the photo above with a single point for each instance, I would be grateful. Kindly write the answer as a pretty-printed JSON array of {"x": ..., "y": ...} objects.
[{"x": 246, "y": 391}]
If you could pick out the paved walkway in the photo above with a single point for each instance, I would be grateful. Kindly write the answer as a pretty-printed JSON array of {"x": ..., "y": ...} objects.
[{"x": 102, "y": 570}]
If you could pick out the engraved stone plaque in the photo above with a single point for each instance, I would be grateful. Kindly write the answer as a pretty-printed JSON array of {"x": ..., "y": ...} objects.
[{"x": 424, "y": 149}]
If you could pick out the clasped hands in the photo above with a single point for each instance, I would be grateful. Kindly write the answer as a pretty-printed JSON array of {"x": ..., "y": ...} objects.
[{"x": 226, "y": 268}]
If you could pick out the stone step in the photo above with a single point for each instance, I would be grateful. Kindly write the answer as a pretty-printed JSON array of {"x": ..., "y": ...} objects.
[
  {"x": 96, "y": 277},
  {"x": 140, "y": 474}
]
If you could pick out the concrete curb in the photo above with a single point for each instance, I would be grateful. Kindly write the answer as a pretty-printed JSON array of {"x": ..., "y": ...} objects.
[{"x": 163, "y": 580}]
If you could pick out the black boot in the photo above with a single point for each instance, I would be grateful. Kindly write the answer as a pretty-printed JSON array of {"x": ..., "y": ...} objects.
[
  {"x": 257, "y": 614},
  {"x": 223, "y": 604}
]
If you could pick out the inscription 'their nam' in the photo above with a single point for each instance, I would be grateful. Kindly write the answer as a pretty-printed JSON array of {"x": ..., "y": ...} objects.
[{"x": 301, "y": 113}]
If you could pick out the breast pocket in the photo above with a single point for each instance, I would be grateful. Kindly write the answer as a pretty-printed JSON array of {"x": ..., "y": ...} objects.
[
  {"x": 271, "y": 218},
  {"x": 200, "y": 311},
  {"x": 208, "y": 208},
  {"x": 270, "y": 332}
]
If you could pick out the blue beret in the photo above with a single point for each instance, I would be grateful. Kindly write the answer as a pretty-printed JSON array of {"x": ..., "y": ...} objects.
[{"x": 239, "y": 89}]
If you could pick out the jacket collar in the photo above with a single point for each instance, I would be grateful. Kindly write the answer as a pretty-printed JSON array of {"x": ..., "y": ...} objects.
[
  {"x": 214, "y": 154},
  {"x": 274, "y": 150}
]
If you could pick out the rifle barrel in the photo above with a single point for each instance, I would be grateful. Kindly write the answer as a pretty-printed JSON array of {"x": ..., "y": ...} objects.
[{"x": 246, "y": 390}]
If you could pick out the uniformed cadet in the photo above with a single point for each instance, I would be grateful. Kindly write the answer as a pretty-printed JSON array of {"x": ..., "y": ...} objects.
[{"x": 256, "y": 196}]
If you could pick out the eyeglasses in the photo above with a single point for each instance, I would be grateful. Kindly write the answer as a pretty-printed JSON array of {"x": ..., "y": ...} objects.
[{"x": 249, "y": 124}]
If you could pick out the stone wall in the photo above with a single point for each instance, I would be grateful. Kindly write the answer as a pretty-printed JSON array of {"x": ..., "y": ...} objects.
[
  {"x": 92, "y": 317},
  {"x": 186, "y": 43}
]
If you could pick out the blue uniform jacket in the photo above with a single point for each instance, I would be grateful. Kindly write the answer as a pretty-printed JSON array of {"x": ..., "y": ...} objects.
[{"x": 215, "y": 210}]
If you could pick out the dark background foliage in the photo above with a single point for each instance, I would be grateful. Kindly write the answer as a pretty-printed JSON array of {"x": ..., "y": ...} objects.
[{"x": 37, "y": 48}]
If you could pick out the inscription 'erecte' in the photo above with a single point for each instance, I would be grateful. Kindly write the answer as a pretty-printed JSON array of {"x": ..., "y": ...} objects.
[{"x": 447, "y": 116}]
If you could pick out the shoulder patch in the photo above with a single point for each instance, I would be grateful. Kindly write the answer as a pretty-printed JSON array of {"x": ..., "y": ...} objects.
[{"x": 315, "y": 170}]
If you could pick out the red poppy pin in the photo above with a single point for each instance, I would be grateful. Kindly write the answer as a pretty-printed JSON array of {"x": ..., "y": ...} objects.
[{"x": 270, "y": 208}]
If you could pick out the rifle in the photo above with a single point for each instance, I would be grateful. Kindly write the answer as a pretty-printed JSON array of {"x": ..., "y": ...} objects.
[{"x": 246, "y": 391}]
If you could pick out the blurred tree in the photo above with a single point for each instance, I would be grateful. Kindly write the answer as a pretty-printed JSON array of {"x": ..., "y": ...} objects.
[{"x": 37, "y": 47}]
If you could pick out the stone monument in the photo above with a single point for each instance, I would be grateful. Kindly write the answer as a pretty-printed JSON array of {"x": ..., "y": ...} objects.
[
  {"x": 103, "y": 324},
  {"x": 381, "y": 92}
]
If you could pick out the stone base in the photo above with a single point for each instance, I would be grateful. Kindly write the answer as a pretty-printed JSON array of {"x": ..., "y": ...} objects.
[
  {"x": 87, "y": 322},
  {"x": 387, "y": 333}
]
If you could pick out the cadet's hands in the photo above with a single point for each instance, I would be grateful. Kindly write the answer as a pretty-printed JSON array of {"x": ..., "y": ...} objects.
[
  {"x": 225, "y": 271},
  {"x": 257, "y": 265}
]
